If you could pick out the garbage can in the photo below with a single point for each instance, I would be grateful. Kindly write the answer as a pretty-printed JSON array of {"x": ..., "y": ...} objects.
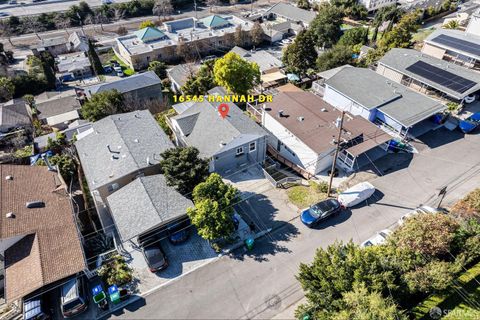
[{"x": 249, "y": 243}]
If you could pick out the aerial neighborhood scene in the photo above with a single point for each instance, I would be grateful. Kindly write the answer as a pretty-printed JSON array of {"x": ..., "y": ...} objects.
[{"x": 240, "y": 159}]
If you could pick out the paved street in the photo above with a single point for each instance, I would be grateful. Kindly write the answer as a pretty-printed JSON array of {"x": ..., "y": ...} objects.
[{"x": 261, "y": 283}]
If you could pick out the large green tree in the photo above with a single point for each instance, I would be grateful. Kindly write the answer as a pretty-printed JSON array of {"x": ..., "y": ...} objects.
[
  {"x": 351, "y": 8},
  {"x": 236, "y": 74},
  {"x": 354, "y": 36},
  {"x": 401, "y": 34},
  {"x": 337, "y": 56},
  {"x": 94, "y": 59},
  {"x": 325, "y": 28},
  {"x": 213, "y": 211},
  {"x": 300, "y": 56},
  {"x": 183, "y": 169},
  {"x": 103, "y": 104},
  {"x": 256, "y": 33}
]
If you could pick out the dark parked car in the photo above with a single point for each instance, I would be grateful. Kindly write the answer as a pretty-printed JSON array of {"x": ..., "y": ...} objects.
[
  {"x": 320, "y": 211},
  {"x": 153, "y": 253},
  {"x": 179, "y": 231}
]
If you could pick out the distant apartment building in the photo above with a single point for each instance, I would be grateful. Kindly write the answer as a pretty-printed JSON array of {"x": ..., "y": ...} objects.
[
  {"x": 373, "y": 5},
  {"x": 199, "y": 36}
]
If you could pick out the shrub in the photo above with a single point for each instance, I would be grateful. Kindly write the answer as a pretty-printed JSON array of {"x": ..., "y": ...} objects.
[{"x": 116, "y": 271}]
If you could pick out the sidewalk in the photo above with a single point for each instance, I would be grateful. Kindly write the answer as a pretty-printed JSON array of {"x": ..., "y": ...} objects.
[{"x": 289, "y": 312}]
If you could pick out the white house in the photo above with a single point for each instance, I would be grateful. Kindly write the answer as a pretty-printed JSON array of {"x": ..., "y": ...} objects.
[{"x": 302, "y": 133}]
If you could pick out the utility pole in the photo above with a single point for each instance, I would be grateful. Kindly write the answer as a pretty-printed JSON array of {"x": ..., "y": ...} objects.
[
  {"x": 332, "y": 171},
  {"x": 442, "y": 194},
  {"x": 195, "y": 8},
  {"x": 251, "y": 6}
]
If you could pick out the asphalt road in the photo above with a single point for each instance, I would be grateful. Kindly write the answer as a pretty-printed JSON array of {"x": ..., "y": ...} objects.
[{"x": 261, "y": 283}]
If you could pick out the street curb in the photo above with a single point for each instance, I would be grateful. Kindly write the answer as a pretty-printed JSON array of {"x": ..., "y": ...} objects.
[{"x": 150, "y": 291}]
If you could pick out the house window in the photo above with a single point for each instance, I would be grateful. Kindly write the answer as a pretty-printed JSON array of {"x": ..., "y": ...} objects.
[
  {"x": 252, "y": 146},
  {"x": 239, "y": 151},
  {"x": 113, "y": 187}
]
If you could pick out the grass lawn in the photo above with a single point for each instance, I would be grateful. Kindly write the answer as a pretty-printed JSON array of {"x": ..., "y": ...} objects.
[
  {"x": 422, "y": 34},
  {"x": 457, "y": 302},
  {"x": 110, "y": 55},
  {"x": 303, "y": 196}
]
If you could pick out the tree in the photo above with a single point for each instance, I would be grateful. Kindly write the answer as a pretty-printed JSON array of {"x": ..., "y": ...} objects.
[
  {"x": 146, "y": 24},
  {"x": 256, "y": 33},
  {"x": 32, "y": 25},
  {"x": 201, "y": 82},
  {"x": 213, "y": 211},
  {"x": 212, "y": 4},
  {"x": 239, "y": 36},
  {"x": 434, "y": 276},
  {"x": 351, "y": 8},
  {"x": 94, "y": 59},
  {"x": 7, "y": 88},
  {"x": 301, "y": 54},
  {"x": 401, "y": 35},
  {"x": 103, "y": 104},
  {"x": 236, "y": 74},
  {"x": 452, "y": 24},
  {"x": 162, "y": 7},
  {"x": 426, "y": 234},
  {"x": 354, "y": 36},
  {"x": 325, "y": 28},
  {"x": 159, "y": 68},
  {"x": 337, "y": 56},
  {"x": 183, "y": 169},
  {"x": 360, "y": 304},
  {"x": 303, "y": 4},
  {"x": 47, "y": 65},
  {"x": 121, "y": 31}
]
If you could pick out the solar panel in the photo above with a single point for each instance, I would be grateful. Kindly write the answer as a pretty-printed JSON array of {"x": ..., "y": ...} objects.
[
  {"x": 460, "y": 44},
  {"x": 441, "y": 77}
]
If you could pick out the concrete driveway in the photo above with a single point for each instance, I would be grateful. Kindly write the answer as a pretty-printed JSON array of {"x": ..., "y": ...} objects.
[{"x": 261, "y": 283}]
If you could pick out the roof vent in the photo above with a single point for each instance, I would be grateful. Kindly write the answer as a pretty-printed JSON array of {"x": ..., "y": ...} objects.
[
  {"x": 148, "y": 161},
  {"x": 9, "y": 178},
  {"x": 114, "y": 157},
  {"x": 280, "y": 113},
  {"x": 10, "y": 215},
  {"x": 323, "y": 110},
  {"x": 300, "y": 119},
  {"x": 35, "y": 204},
  {"x": 222, "y": 144},
  {"x": 135, "y": 140}
]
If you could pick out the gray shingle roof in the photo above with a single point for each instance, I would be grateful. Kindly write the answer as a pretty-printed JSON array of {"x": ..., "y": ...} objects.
[
  {"x": 264, "y": 59},
  {"x": 134, "y": 82},
  {"x": 291, "y": 12},
  {"x": 119, "y": 145},
  {"x": 401, "y": 59},
  {"x": 14, "y": 113},
  {"x": 180, "y": 73},
  {"x": 209, "y": 132},
  {"x": 57, "y": 106},
  {"x": 155, "y": 204},
  {"x": 374, "y": 91}
]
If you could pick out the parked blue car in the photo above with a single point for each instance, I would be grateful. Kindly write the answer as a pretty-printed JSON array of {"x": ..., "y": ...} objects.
[
  {"x": 179, "y": 231},
  {"x": 320, "y": 211}
]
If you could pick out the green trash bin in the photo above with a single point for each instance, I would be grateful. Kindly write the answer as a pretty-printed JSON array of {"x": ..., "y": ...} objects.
[{"x": 249, "y": 243}]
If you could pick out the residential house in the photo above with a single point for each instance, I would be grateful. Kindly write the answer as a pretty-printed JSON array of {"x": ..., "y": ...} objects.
[
  {"x": 373, "y": 5},
  {"x": 14, "y": 114},
  {"x": 394, "y": 107},
  {"x": 429, "y": 75},
  {"x": 180, "y": 73},
  {"x": 71, "y": 132},
  {"x": 156, "y": 205},
  {"x": 473, "y": 26},
  {"x": 230, "y": 143},
  {"x": 58, "y": 112},
  {"x": 117, "y": 150},
  {"x": 454, "y": 45},
  {"x": 288, "y": 12},
  {"x": 55, "y": 46},
  {"x": 76, "y": 42},
  {"x": 39, "y": 239},
  {"x": 318, "y": 86},
  {"x": 197, "y": 36},
  {"x": 303, "y": 129},
  {"x": 270, "y": 67},
  {"x": 73, "y": 66},
  {"x": 139, "y": 88}
]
